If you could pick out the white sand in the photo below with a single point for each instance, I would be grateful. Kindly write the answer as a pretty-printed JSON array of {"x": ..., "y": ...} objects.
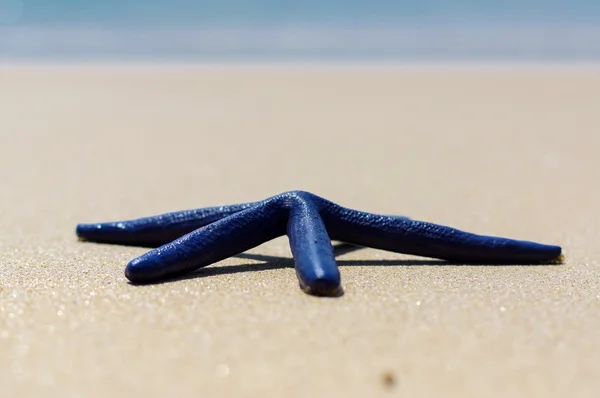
[{"x": 509, "y": 151}]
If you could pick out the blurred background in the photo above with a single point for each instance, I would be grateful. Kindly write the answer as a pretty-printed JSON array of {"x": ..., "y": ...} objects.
[{"x": 379, "y": 30}]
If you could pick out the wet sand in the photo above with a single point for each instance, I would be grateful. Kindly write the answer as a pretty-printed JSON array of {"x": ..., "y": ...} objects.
[{"x": 509, "y": 151}]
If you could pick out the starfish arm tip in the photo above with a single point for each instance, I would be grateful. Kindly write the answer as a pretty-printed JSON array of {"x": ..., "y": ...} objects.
[
  {"x": 549, "y": 254},
  {"x": 141, "y": 270},
  {"x": 86, "y": 232},
  {"x": 326, "y": 286},
  {"x": 559, "y": 259}
]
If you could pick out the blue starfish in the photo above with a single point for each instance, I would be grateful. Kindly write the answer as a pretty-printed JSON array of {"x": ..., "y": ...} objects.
[{"x": 188, "y": 240}]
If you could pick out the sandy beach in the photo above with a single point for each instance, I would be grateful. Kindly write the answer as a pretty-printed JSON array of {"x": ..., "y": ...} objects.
[{"x": 508, "y": 151}]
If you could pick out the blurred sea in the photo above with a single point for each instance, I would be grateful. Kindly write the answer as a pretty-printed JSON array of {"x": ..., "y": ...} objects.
[{"x": 330, "y": 30}]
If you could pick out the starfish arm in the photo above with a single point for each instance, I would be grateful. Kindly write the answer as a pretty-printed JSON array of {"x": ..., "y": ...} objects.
[
  {"x": 402, "y": 235},
  {"x": 156, "y": 230},
  {"x": 214, "y": 242},
  {"x": 313, "y": 254}
]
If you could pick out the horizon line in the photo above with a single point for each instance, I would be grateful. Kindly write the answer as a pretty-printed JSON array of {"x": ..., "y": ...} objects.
[{"x": 503, "y": 41}]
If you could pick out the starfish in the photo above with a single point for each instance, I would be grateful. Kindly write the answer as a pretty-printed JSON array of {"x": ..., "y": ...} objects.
[{"x": 185, "y": 241}]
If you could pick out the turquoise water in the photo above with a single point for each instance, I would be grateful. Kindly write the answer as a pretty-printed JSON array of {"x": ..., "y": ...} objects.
[
  {"x": 248, "y": 12},
  {"x": 187, "y": 29}
]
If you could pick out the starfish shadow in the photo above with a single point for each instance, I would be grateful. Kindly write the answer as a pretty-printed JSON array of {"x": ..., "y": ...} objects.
[{"x": 269, "y": 263}]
